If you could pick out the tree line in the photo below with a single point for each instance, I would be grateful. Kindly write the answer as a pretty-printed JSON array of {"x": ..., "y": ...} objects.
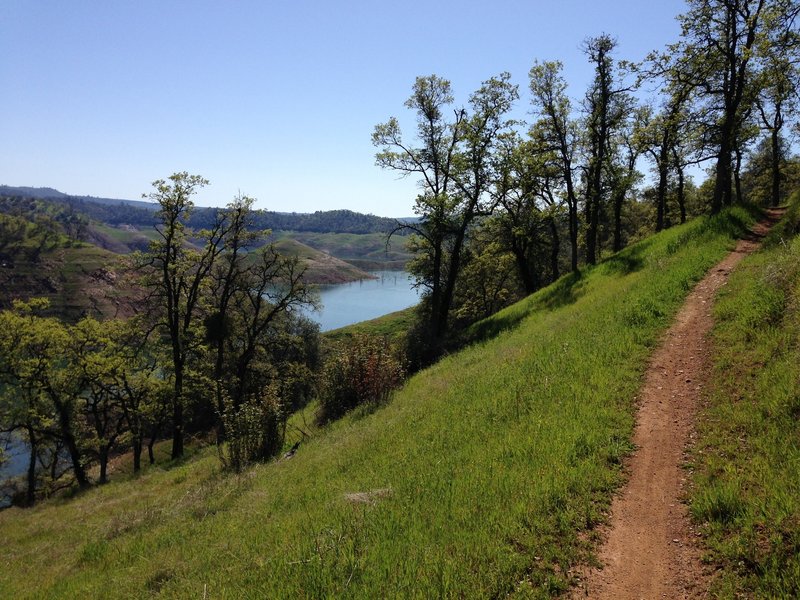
[{"x": 506, "y": 207}]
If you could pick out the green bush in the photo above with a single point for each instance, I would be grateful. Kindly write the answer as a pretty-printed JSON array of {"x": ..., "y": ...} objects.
[
  {"x": 254, "y": 431},
  {"x": 362, "y": 371}
]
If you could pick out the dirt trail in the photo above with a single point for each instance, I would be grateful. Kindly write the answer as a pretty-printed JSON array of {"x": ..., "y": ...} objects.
[{"x": 651, "y": 550}]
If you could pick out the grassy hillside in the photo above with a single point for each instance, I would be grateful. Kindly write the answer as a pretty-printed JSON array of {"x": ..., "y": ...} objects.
[
  {"x": 77, "y": 278},
  {"x": 480, "y": 478},
  {"x": 328, "y": 257},
  {"x": 747, "y": 481},
  {"x": 394, "y": 326},
  {"x": 122, "y": 239},
  {"x": 321, "y": 267},
  {"x": 82, "y": 278},
  {"x": 365, "y": 251}
]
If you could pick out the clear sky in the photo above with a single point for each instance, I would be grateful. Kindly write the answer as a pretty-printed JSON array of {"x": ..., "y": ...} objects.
[{"x": 276, "y": 99}]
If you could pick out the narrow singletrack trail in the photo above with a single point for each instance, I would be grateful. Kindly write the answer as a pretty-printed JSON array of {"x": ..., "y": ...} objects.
[{"x": 651, "y": 550}]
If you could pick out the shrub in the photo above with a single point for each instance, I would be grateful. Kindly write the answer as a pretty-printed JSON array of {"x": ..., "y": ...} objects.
[
  {"x": 362, "y": 371},
  {"x": 254, "y": 431}
]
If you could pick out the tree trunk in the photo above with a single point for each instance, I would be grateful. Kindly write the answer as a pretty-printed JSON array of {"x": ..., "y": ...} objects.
[
  {"x": 592, "y": 225},
  {"x": 737, "y": 175},
  {"x": 722, "y": 175},
  {"x": 555, "y": 249},
  {"x": 681, "y": 185},
  {"x": 572, "y": 201},
  {"x": 150, "y": 454},
  {"x": 65, "y": 423},
  {"x": 103, "y": 465},
  {"x": 452, "y": 274},
  {"x": 137, "y": 454},
  {"x": 661, "y": 195},
  {"x": 526, "y": 275},
  {"x": 776, "y": 167},
  {"x": 75, "y": 457},
  {"x": 177, "y": 415},
  {"x": 573, "y": 236},
  {"x": 30, "y": 492},
  {"x": 619, "y": 199},
  {"x": 220, "y": 402},
  {"x": 436, "y": 327}
]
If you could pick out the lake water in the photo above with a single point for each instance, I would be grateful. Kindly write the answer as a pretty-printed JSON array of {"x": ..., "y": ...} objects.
[
  {"x": 15, "y": 452},
  {"x": 348, "y": 303}
]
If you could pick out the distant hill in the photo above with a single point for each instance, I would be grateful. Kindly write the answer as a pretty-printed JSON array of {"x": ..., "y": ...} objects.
[
  {"x": 46, "y": 193},
  {"x": 31, "y": 192},
  {"x": 336, "y": 246},
  {"x": 48, "y": 250},
  {"x": 114, "y": 211},
  {"x": 37, "y": 260}
]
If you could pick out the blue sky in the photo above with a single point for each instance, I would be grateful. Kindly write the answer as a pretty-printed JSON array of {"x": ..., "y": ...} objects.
[{"x": 275, "y": 99}]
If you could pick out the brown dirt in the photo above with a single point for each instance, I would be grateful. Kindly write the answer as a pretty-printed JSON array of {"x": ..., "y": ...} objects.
[{"x": 651, "y": 548}]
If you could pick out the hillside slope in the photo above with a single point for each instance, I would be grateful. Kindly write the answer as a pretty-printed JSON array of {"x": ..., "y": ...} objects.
[
  {"x": 78, "y": 278},
  {"x": 746, "y": 493},
  {"x": 480, "y": 478},
  {"x": 368, "y": 251},
  {"x": 322, "y": 268}
]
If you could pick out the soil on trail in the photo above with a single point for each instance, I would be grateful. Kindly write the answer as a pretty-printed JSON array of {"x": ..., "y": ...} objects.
[{"x": 651, "y": 550}]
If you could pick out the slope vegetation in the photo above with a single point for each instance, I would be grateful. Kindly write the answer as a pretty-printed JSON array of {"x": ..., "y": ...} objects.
[
  {"x": 747, "y": 477},
  {"x": 480, "y": 478}
]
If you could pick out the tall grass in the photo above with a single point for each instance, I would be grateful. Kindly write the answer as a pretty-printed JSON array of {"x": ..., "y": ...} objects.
[
  {"x": 478, "y": 478},
  {"x": 747, "y": 483}
]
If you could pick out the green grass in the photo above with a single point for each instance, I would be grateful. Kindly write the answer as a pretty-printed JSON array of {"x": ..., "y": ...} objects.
[
  {"x": 479, "y": 478},
  {"x": 747, "y": 480},
  {"x": 128, "y": 239},
  {"x": 393, "y": 326}
]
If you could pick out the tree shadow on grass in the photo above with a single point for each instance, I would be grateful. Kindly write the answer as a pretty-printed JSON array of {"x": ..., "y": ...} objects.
[
  {"x": 628, "y": 261},
  {"x": 565, "y": 291}
]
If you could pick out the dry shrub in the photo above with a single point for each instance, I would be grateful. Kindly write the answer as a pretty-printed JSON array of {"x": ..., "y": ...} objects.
[{"x": 360, "y": 372}]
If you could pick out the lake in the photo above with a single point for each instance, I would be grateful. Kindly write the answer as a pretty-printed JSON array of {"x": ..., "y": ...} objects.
[
  {"x": 348, "y": 303},
  {"x": 15, "y": 454},
  {"x": 16, "y": 462}
]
